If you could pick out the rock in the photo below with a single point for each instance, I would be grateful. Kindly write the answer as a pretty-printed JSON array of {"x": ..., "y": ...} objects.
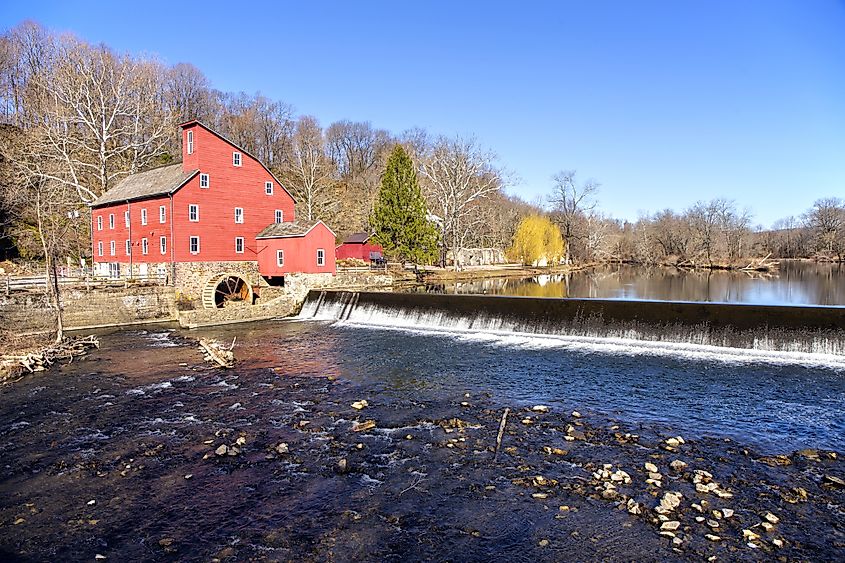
[
  {"x": 100, "y": 557},
  {"x": 19, "y": 521},
  {"x": 669, "y": 502},
  {"x": 712, "y": 523},
  {"x": 673, "y": 442},
  {"x": 699, "y": 519},
  {"x": 527, "y": 420},
  {"x": 92, "y": 502},
  {"x": 712, "y": 537},
  {"x": 749, "y": 535},
  {"x": 189, "y": 476},
  {"x": 222, "y": 449},
  {"x": 540, "y": 408},
  {"x": 554, "y": 451},
  {"x": 833, "y": 481},
  {"x": 576, "y": 414},
  {"x": 727, "y": 512},
  {"x": 409, "y": 437},
  {"x": 678, "y": 465},
  {"x": 543, "y": 543},
  {"x": 812, "y": 455},
  {"x": 167, "y": 544},
  {"x": 362, "y": 426},
  {"x": 633, "y": 507},
  {"x": 777, "y": 542},
  {"x": 282, "y": 448},
  {"x": 465, "y": 404},
  {"x": 235, "y": 406},
  {"x": 233, "y": 451},
  {"x": 540, "y": 496},
  {"x": 241, "y": 440},
  {"x": 650, "y": 467},
  {"x": 609, "y": 494},
  {"x": 655, "y": 476},
  {"x": 771, "y": 518},
  {"x": 767, "y": 526},
  {"x": 342, "y": 466},
  {"x": 670, "y": 525},
  {"x": 564, "y": 508}
]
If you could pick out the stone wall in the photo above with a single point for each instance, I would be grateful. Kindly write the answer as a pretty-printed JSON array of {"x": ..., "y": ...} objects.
[
  {"x": 361, "y": 279},
  {"x": 191, "y": 277},
  {"x": 240, "y": 312}
]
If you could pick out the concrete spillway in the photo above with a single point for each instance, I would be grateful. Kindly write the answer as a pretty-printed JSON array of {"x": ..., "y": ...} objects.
[{"x": 808, "y": 330}]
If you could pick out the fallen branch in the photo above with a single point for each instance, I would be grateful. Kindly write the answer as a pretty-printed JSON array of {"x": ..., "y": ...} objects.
[
  {"x": 502, "y": 425},
  {"x": 218, "y": 354},
  {"x": 67, "y": 349}
]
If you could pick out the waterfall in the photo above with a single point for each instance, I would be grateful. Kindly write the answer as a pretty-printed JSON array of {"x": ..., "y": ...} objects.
[{"x": 767, "y": 330}]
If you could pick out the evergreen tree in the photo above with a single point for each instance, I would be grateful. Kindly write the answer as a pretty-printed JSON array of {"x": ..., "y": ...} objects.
[{"x": 399, "y": 217}]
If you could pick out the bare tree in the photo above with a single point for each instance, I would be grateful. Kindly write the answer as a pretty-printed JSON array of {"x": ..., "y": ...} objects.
[
  {"x": 570, "y": 203},
  {"x": 309, "y": 172},
  {"x": 459, "y": 174},
  {"x": 826, "y": 219}
]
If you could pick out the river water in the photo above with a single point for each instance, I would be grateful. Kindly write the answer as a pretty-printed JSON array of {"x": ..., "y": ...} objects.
[
  {"x": 115, "y": 454},
  {"x": 793, "y": 283}
]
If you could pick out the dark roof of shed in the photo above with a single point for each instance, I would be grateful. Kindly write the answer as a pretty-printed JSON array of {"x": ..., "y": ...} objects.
[
  {"x": 163, "y": 180},
  {"x": 290, "y": 229},
  {"x": 357, "y": 238}
]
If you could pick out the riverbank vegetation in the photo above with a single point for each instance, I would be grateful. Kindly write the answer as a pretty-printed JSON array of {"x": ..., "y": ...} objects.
[{"x": 76, "y": 118}]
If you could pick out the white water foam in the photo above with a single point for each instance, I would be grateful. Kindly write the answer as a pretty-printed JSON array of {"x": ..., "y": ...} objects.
[{"x": 498, "y": 331}]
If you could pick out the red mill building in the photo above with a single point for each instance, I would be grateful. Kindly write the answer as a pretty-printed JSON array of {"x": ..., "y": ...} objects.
[{"x": 215, "y": 225}]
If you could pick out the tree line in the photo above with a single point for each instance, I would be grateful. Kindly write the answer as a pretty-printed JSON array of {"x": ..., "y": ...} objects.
[{"x": 76, "y": 118}]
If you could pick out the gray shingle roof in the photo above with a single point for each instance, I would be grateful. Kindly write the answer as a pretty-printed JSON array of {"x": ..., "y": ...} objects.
[
  {"x": 357, "y": 238},
  {"x": 158, "y": 181},
  {"x": 291, "y": 229}
]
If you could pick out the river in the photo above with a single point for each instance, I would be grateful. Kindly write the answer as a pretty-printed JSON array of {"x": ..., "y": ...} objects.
[{"x": 792, "y": 283}]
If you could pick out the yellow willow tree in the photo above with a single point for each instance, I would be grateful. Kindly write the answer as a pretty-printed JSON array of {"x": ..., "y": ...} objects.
[{"x": 537, "y": 242}]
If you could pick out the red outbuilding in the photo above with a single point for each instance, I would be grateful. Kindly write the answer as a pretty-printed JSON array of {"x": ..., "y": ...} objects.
[
  {"x": 288, "y": 248},
  {"x": 358, "y": 245}
]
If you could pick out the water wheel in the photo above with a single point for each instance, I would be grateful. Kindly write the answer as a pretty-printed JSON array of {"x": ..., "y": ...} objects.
[{"x": 224, "y": 289}]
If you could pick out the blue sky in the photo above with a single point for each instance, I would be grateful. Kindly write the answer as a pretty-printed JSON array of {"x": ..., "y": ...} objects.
[{"x": 663, "y": 102}]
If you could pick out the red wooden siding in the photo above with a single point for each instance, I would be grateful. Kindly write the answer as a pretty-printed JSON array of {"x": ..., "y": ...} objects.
[
  {"x": 300, "y": 253},
  {"x": 358, "y": 250}
]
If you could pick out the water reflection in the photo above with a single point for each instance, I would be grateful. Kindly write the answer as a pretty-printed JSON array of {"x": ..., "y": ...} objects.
[{"x": 794, "y": 283}]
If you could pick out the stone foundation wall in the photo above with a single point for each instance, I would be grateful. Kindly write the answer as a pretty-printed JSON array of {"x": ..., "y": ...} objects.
[
  {"x": 191, "y": 277},
  {"x": 361, "y": 279},
  {"x": 283, "y": 306}
]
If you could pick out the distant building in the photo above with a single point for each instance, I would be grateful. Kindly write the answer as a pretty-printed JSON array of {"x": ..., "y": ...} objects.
[
  {"x": 358, "y": 245},
  {"x": 478, "y": 256},
  {"x": 197, "y": 223}
]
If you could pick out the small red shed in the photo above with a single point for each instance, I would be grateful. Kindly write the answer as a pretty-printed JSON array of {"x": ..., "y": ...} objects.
[
  {"x": 357, "y": 245},
  {"x": 292, "y": 247}
]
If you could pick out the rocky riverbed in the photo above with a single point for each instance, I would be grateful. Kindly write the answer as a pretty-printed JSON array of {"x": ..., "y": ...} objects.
[{"x": 144, "y": 452}]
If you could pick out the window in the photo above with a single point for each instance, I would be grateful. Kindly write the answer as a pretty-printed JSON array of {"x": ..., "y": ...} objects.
[
  {"x": 143, "y": 216},
  {"x": 268, "y": 188},
  {"x": 239, "y": 245},
  {"x": 236, "y": 158},
  {"x": 280, "y": 258},
  {"x": 112, "y": 248},
  {"x": 128, "y": 247},
  {"x": 162, "y": 242},
  {"x": 100, "y": 248},
  {"x": 190, "y": 142},
  {"x": 162, "y": 214},
  {"x": 321, "y": 257},
  {"x": 99, "y": 222},
  {"x": 239, "y": 215},
  {"x": 204, "y": 180},
  {"x": 145, "y": 248},
  {"x": 280, "y": 216},
  {"x": 111, "y": 220},
  {"x": 194, "y": 213},
  {"x": 126, "y": 217},
  {"x": 195, "y": 245}
]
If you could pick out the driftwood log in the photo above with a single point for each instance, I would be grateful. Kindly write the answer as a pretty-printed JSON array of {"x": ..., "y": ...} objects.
[
  {"x": 67, "y": 349},
  {"x": 502, "y": 425},
  {"x": 217, "y": 353}
]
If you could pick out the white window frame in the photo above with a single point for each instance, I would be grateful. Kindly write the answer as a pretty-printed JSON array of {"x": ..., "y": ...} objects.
[
  {"x": 99, "y": 222},
  {"x": 145, "y": 246},
  {"x": 190, "y": 136},
  {"x": 279, "y": 216},
  {"x": 321, "y": 257},
  {"x": 126, "y": 217},
  {"x": 191, "y": 244},
  {"x": 100, "y": 248},
  {"x": 162, "y": 242},
  {"x": 280, "y": 258},
  {"x": 194, "y": 208},
  {"x": 143, "y": 215},
  {"x": 111, "y": 221},
  {"x": 239, "y": 215},
  {"x": 112, "y": 248},
  {"x": 239, "y": 241},
  {"x": 268, "y": 188},
  {"x": 205, "y": 181},
  {"x": 162, "y": 214},
  {"x": 128, "y": 247},
  {"x": 237, "y": 159}
]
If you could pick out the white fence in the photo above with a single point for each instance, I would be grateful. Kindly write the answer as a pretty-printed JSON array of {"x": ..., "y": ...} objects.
[{"x": 32, "y": 283}]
